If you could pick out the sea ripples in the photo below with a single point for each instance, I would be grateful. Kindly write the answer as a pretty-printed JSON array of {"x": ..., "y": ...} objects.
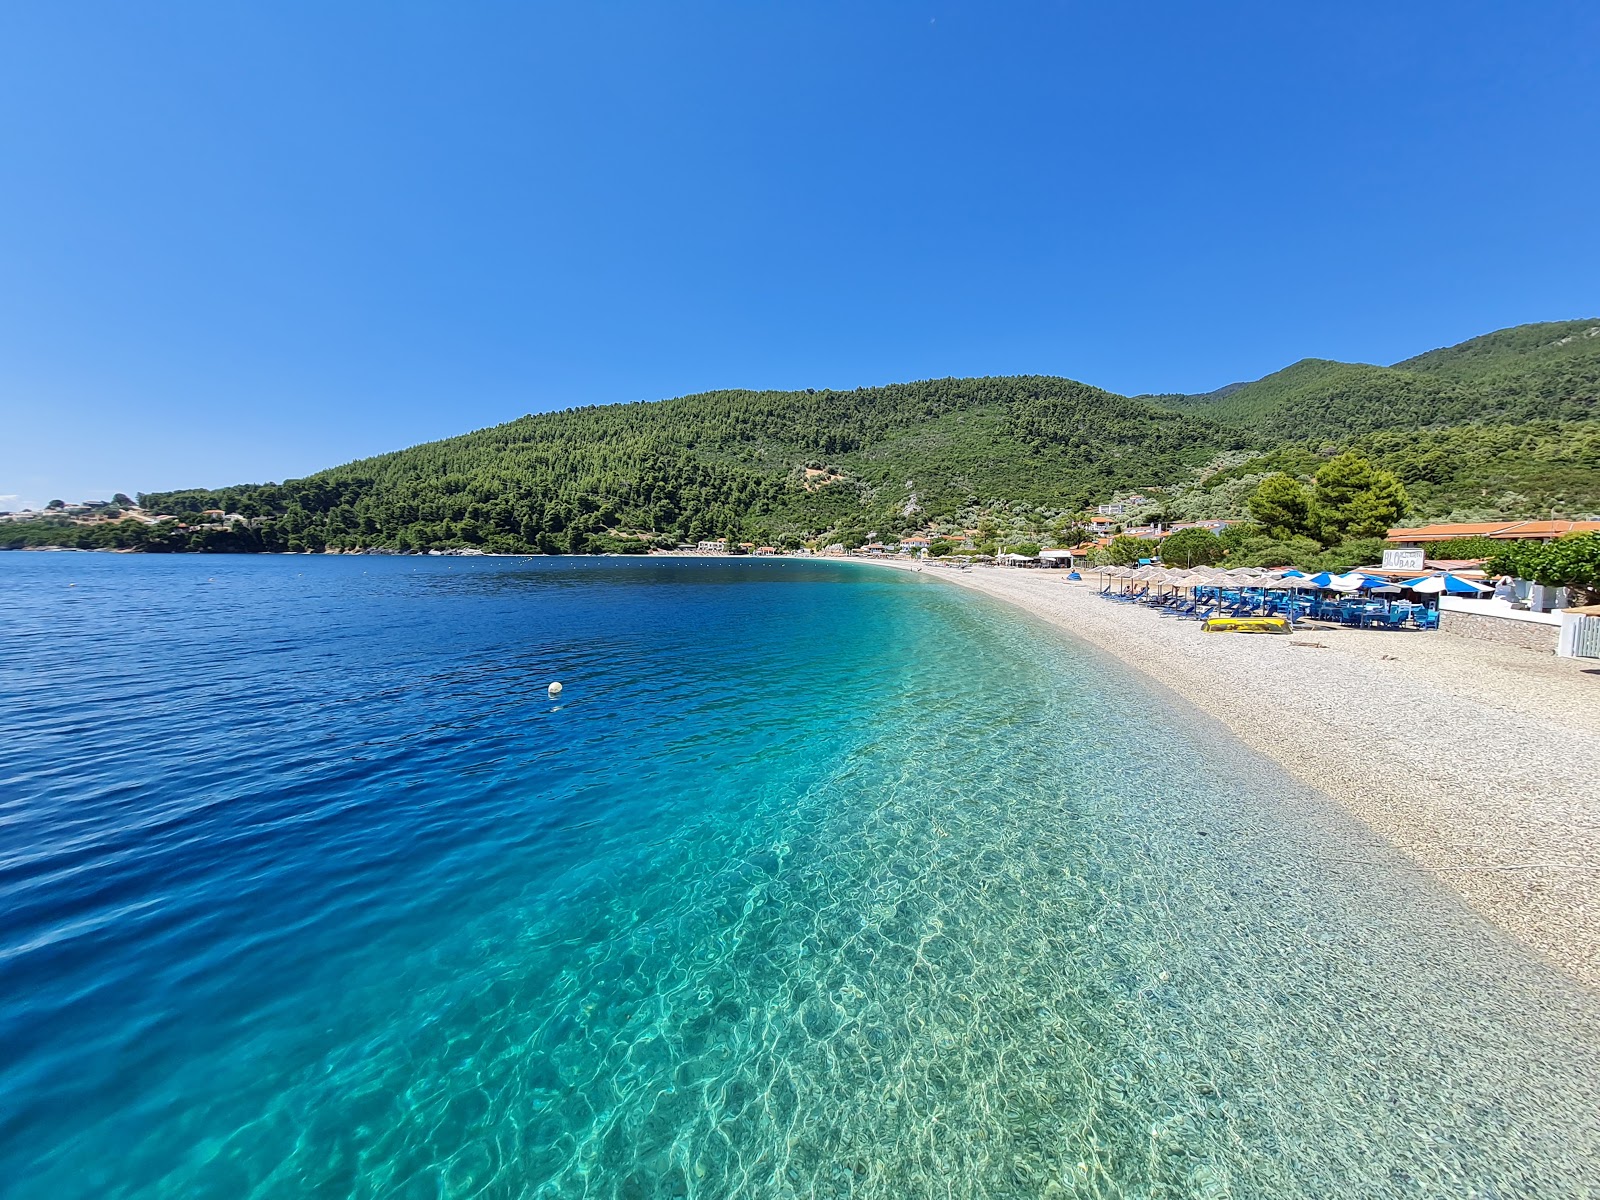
[{"x": 814, "y": 882}]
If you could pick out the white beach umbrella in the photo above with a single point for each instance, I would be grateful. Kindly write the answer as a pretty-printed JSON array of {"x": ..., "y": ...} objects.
[{"x": 1446, "y": 583}]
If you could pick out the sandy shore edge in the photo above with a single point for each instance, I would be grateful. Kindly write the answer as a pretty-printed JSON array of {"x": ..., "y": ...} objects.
[{"x": 1480, "y": 762}]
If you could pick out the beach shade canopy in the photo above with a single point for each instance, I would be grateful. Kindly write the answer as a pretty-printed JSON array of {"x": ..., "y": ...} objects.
[
  {"x": 1344, "y": 583},
  {"x": 1322, "y": 580},
  {"x": 1453, "y": 584}
]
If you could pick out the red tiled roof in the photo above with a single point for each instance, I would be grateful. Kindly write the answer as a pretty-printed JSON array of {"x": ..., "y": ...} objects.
[{"x": 1509, "y": 530}]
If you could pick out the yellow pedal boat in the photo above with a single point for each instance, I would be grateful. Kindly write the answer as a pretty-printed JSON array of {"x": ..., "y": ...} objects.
[{"x": 1245, "y": 625}]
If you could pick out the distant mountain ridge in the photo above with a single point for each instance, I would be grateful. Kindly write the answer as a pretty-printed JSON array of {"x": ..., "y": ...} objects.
[
  {"x": 1543, "y": 372},
  {"x": 1502, "y": 424}
]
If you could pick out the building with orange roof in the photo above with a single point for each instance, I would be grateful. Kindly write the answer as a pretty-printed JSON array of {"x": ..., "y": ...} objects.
[{"x": 1538, "y": 531}]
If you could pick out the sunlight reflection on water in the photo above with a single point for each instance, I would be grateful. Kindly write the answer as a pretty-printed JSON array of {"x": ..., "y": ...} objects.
[{"x": 816, "y": 883}]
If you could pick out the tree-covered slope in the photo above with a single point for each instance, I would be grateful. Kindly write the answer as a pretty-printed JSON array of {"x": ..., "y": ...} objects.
[
  {"x": 1538, "y": 349},
  {"x": 1317, "y": 398},
  {"x": 761, "y": 465},
  {"x": 1501, "y": 425},
  {"x": 1548, "y": 372}
]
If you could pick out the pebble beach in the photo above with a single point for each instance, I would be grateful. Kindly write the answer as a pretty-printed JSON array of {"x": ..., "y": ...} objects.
[{"x": 1479, "y": 761}]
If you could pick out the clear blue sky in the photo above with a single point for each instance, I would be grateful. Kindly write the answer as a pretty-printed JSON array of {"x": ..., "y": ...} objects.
[{"x": 242, "y": 242}]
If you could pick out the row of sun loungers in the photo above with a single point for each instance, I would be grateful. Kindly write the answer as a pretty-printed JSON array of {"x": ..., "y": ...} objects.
[{"x": 1203, "y": 603}]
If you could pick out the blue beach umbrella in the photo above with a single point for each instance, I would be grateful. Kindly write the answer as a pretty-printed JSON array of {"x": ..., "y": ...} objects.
[{"x": 1452, "y": 584}]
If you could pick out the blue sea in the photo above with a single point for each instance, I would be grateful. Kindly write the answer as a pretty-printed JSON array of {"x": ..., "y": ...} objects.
[{"x": 816, "y": 880}]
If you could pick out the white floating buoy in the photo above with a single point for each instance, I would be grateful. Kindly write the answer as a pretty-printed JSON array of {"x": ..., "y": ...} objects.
[{"x": 554, "y": 689}]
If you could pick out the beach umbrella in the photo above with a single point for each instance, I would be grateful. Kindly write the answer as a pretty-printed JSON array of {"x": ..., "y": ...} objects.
[
  {"x": 1454, "y": 585},
  {"x": 1344, "y": 583},
  {"x": 1322, "y": 580}
]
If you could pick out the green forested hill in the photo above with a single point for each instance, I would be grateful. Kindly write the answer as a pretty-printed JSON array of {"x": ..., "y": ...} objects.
[
  {"x": 1505, "y": 424},
  {"x": 1546, "y": 350},
  {"x": 1318, "y": 398},
  {"x": 1545, "y": 372},
  {"x": 757, "y": 465}
]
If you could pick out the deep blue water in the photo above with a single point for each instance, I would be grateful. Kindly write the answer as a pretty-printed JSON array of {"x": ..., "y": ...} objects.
[{"x": 817, "y": 880}]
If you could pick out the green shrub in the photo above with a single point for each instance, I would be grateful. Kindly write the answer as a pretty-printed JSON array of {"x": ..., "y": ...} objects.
[{"x": 1572, "y": 562}]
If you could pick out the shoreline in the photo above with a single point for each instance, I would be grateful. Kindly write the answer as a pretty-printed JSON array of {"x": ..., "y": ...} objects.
[{"x": 1477, "y": 761}]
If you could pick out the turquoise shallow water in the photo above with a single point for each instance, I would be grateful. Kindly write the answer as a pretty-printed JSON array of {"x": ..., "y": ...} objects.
[{"x": 818, "y": 880}]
